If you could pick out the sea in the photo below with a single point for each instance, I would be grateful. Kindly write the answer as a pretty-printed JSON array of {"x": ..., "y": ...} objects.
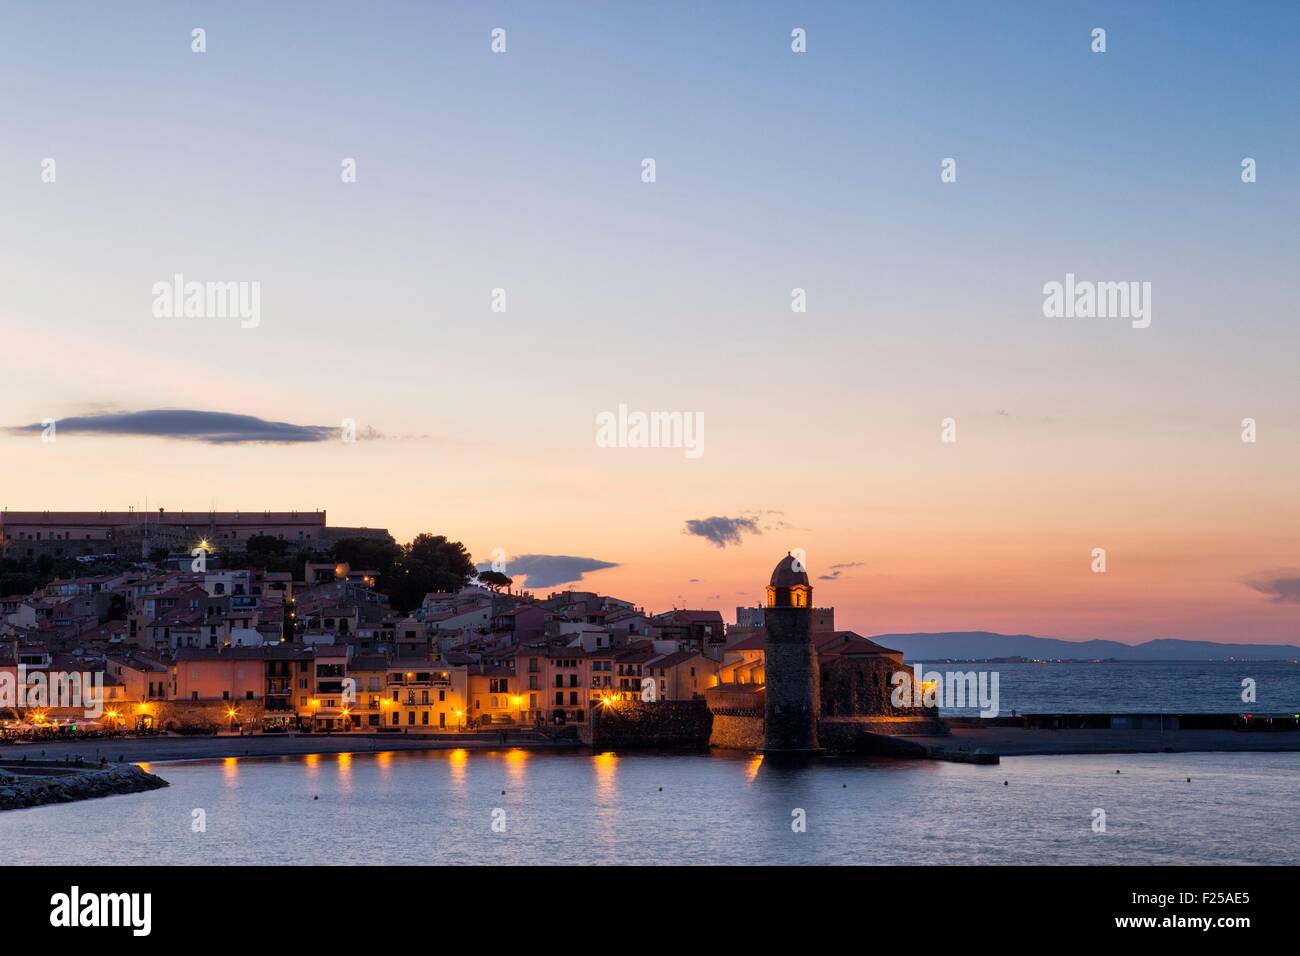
[
  {"x": 515, "y": 807},
  {"x": 1139, "y": 687}
]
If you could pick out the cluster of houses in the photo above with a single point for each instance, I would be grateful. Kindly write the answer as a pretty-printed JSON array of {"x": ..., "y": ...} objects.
[{"x": 262, "y": 651}]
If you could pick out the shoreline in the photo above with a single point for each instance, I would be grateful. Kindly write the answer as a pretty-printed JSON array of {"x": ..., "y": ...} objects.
[
  {"x": 164, "y": 749},
  {"x": 1003, "y": 741},
  {"x": 1044, "y": 742}
]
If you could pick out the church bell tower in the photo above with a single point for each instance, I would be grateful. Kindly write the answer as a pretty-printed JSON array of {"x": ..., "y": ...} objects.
[{"x": 792, "y": 701}]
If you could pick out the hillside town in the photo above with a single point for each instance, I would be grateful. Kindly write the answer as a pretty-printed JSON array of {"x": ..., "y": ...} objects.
[{"x": 186, "y": 644}]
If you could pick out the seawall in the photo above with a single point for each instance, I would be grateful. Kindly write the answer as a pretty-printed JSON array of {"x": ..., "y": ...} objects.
[
  {"x": 33, "y": 784},
  {"x": 665, "y": 724}
]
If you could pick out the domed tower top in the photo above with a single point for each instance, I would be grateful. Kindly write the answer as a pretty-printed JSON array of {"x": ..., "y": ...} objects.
[{"x": 789, "y": 586}]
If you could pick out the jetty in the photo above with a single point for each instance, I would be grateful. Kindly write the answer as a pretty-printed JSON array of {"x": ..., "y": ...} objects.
[{"x": 31, "y": 783}]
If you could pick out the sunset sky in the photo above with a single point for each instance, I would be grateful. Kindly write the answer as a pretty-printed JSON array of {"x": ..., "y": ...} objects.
[{"x": 775, "y": 170}]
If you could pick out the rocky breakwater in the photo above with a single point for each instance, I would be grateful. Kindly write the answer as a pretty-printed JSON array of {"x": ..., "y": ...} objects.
[{"x": 32, "y": 784}]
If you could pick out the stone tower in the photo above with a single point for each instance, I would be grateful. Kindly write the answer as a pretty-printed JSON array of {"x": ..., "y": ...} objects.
[{"x": 791, "y": 705}]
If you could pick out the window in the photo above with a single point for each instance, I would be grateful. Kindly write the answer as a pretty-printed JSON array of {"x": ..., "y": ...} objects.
[
  {"x": 225, "y": 695},
  {"x": 248, "y": 695},
  {"x": 424, "y": 717},
  {"x": 410, "y": 718},
  {"x": 559, "y": 697},
  {"x": 442, "y": 695}
]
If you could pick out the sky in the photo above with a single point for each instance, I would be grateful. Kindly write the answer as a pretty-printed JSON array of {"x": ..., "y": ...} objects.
[{"x": 774, "y": 171}]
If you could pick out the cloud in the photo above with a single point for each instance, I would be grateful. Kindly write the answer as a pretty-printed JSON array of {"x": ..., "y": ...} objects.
[
  {"x": 183, "y": 424},
  {"x": 838, "y": 569},
  {"x": 722, "y": 531},
  {"x": 548, "y": 570},
  {"x": 1282, "y": 586}
]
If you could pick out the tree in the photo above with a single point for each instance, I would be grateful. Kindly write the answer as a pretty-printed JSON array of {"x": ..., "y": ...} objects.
[
  {"x": 262, "y": 545},
  {"x": 378, "y": 554},
  {"x": 495, "y": 580},
  {"x": 429, "y": 563}
]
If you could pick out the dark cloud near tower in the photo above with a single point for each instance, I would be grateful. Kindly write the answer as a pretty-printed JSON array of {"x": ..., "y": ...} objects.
[
  {"x": 837, "y": 570},
  {"x": 722, "y": 531}
]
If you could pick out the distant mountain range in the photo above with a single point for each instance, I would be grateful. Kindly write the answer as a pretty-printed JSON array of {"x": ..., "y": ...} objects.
[{"x": 985, "y": 645}]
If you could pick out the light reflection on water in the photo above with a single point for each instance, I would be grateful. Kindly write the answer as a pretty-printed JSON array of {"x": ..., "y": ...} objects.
[{"x": 436, "y": 808}]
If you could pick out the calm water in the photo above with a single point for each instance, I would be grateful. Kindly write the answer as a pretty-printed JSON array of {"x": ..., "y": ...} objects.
[
  {"x": 437, "y": 808},
  {"x": 1168, "y": 687}
]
